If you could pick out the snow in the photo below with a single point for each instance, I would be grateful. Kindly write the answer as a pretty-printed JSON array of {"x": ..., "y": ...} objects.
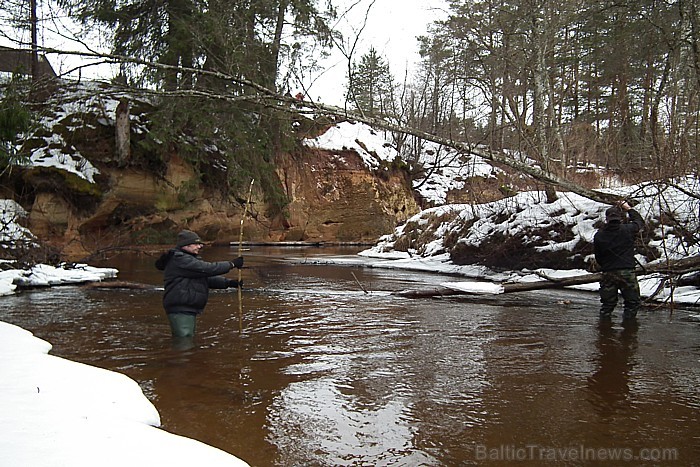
[
  {"x": 55, "y": 412},
  {"x": 44, "y": 275},
  {"x": 445, "y": 168},
  {"x": 349, "y": 136},
  {"x": 482, "y": 288},
  {"x": 12, "y": 232},
  {"x": 52, "y": 157}
]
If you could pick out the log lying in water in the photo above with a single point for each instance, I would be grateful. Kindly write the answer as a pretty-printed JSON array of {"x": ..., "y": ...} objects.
[
  {"x": 677, "y": 267},
  {"x": 119, "y": 285}
]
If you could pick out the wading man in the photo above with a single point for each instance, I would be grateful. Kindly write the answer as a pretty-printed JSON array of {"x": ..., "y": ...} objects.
[
  {"x": 614, "y": 251},
  {"x": 188, "y": 279}
]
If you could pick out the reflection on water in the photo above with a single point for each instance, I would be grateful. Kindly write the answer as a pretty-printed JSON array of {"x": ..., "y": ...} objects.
[
  {"x": 325, "y": 374},
  {"x": 610, "y": 383}
]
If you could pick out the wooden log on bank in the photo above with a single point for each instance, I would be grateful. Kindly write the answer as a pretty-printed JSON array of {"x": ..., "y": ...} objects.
[
  {"x": 286, "y": 244},
  {"x": 676, "y": 267}
]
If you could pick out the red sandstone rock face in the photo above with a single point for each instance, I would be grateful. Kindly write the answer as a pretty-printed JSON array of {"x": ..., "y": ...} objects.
[{"x": 333, "y": 197}]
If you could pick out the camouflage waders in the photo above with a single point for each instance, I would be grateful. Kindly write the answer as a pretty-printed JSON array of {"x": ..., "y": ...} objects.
[{"x": 624, "y": 280}]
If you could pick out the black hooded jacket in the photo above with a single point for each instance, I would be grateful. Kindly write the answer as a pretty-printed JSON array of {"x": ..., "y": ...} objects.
[
  {"x": 188, "y": 279},
  {"x": 614, "y": 243}
]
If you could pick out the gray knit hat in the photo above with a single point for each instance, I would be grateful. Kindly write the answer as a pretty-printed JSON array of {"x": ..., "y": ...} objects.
[{"x": 187, "y": 237}]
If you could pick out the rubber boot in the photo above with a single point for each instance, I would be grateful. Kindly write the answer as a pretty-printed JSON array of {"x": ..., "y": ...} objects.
[{"x": 182, "y": 324}]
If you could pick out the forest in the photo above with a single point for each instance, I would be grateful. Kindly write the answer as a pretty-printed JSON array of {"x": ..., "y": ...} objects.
[
  {"x": 554, "y": 89},
  {"x": 605, "y": 82}
]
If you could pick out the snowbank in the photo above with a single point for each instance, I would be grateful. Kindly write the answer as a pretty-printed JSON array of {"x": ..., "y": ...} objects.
[
  {"x": 55, "y": 412},
  {"x": 43, "y": 275},
  {"x": 527, "y": 213},
  {"x": 13, "y": 234},
  {"x": 371, "y": 145}
]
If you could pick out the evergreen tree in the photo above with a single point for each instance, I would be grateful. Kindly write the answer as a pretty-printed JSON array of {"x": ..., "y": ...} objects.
[
  {"x": 247, "y": 38},
  {"x": 370, "y": 85},
  {"x": 15, "y": 119}
]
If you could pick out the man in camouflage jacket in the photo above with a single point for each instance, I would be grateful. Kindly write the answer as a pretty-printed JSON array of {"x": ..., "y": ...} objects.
[{"x": 614, "y": 251}]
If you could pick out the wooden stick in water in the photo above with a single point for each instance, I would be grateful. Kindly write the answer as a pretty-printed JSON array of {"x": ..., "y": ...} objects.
[
  {"x": 358, "y": 283},
  {"x": 240, "y": 252}
]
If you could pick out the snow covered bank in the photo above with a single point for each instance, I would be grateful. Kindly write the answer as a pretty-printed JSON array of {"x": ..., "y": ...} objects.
[
  {"x": 43, "y": 275},
  {"x": 528, "y": 215},
  {"x": 55, "y": 412},
  {"x": 13, "y": 234}
]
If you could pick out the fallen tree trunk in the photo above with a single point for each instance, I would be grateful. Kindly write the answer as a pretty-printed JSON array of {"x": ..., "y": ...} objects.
[
  {"x": 670, "y": 268},
  {"x": 119, "y": 285}
]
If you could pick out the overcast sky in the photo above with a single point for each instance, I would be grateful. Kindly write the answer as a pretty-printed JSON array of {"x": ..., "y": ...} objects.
[{"x": 391, "y": 28}]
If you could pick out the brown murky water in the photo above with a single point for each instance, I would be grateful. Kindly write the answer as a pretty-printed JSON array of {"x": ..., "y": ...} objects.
[{"x": 324, "y": 374}]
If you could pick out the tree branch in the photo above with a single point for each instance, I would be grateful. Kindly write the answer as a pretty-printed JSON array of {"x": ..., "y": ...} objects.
[{"x": 329, "y": 110}]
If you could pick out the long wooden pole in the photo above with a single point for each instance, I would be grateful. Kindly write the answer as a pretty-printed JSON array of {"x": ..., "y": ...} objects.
[{"x": 240, "y": 253}]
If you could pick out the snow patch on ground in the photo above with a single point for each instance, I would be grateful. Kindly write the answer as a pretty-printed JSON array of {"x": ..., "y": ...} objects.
[{"x": 55, "y": 412}]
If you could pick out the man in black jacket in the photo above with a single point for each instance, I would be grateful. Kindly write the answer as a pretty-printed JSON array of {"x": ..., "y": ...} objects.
[
  {"x": 188, "y": 279},
  {"x": 614, "y": 251}
]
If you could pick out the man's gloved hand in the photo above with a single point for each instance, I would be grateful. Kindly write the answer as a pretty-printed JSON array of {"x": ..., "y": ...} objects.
[
  {"x": 234, "y": 283},
  {"x": 237, "y": 263}
]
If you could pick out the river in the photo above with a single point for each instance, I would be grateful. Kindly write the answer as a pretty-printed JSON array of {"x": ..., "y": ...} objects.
[{"x": 319, "y": 372}]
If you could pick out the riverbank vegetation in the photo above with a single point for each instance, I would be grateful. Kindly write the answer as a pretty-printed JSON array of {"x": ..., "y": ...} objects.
[{"x": 557, "y": 98}]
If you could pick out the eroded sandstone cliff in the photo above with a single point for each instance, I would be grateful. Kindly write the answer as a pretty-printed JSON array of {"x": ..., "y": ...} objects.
[{"x": 332, "y": 198}]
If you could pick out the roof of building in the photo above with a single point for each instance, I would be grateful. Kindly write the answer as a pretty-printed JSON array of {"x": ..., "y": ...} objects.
[{"x": 20, "y": 61}]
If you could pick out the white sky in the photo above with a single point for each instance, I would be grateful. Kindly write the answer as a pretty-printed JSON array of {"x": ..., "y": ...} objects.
[{"x": 391, "y": 28}]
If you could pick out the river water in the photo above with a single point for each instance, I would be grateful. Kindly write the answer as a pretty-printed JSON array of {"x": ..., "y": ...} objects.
[{"x": 320, "y": 373}]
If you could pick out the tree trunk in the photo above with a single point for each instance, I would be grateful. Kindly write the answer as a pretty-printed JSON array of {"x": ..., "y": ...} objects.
[
  {"x": 35, "y": 46},
  {"x": 123, "y": 132},
  {"x": 678, "y": 267},
  {"x": 276, "y": 45},
  {"x": 542, "y": 104}
]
